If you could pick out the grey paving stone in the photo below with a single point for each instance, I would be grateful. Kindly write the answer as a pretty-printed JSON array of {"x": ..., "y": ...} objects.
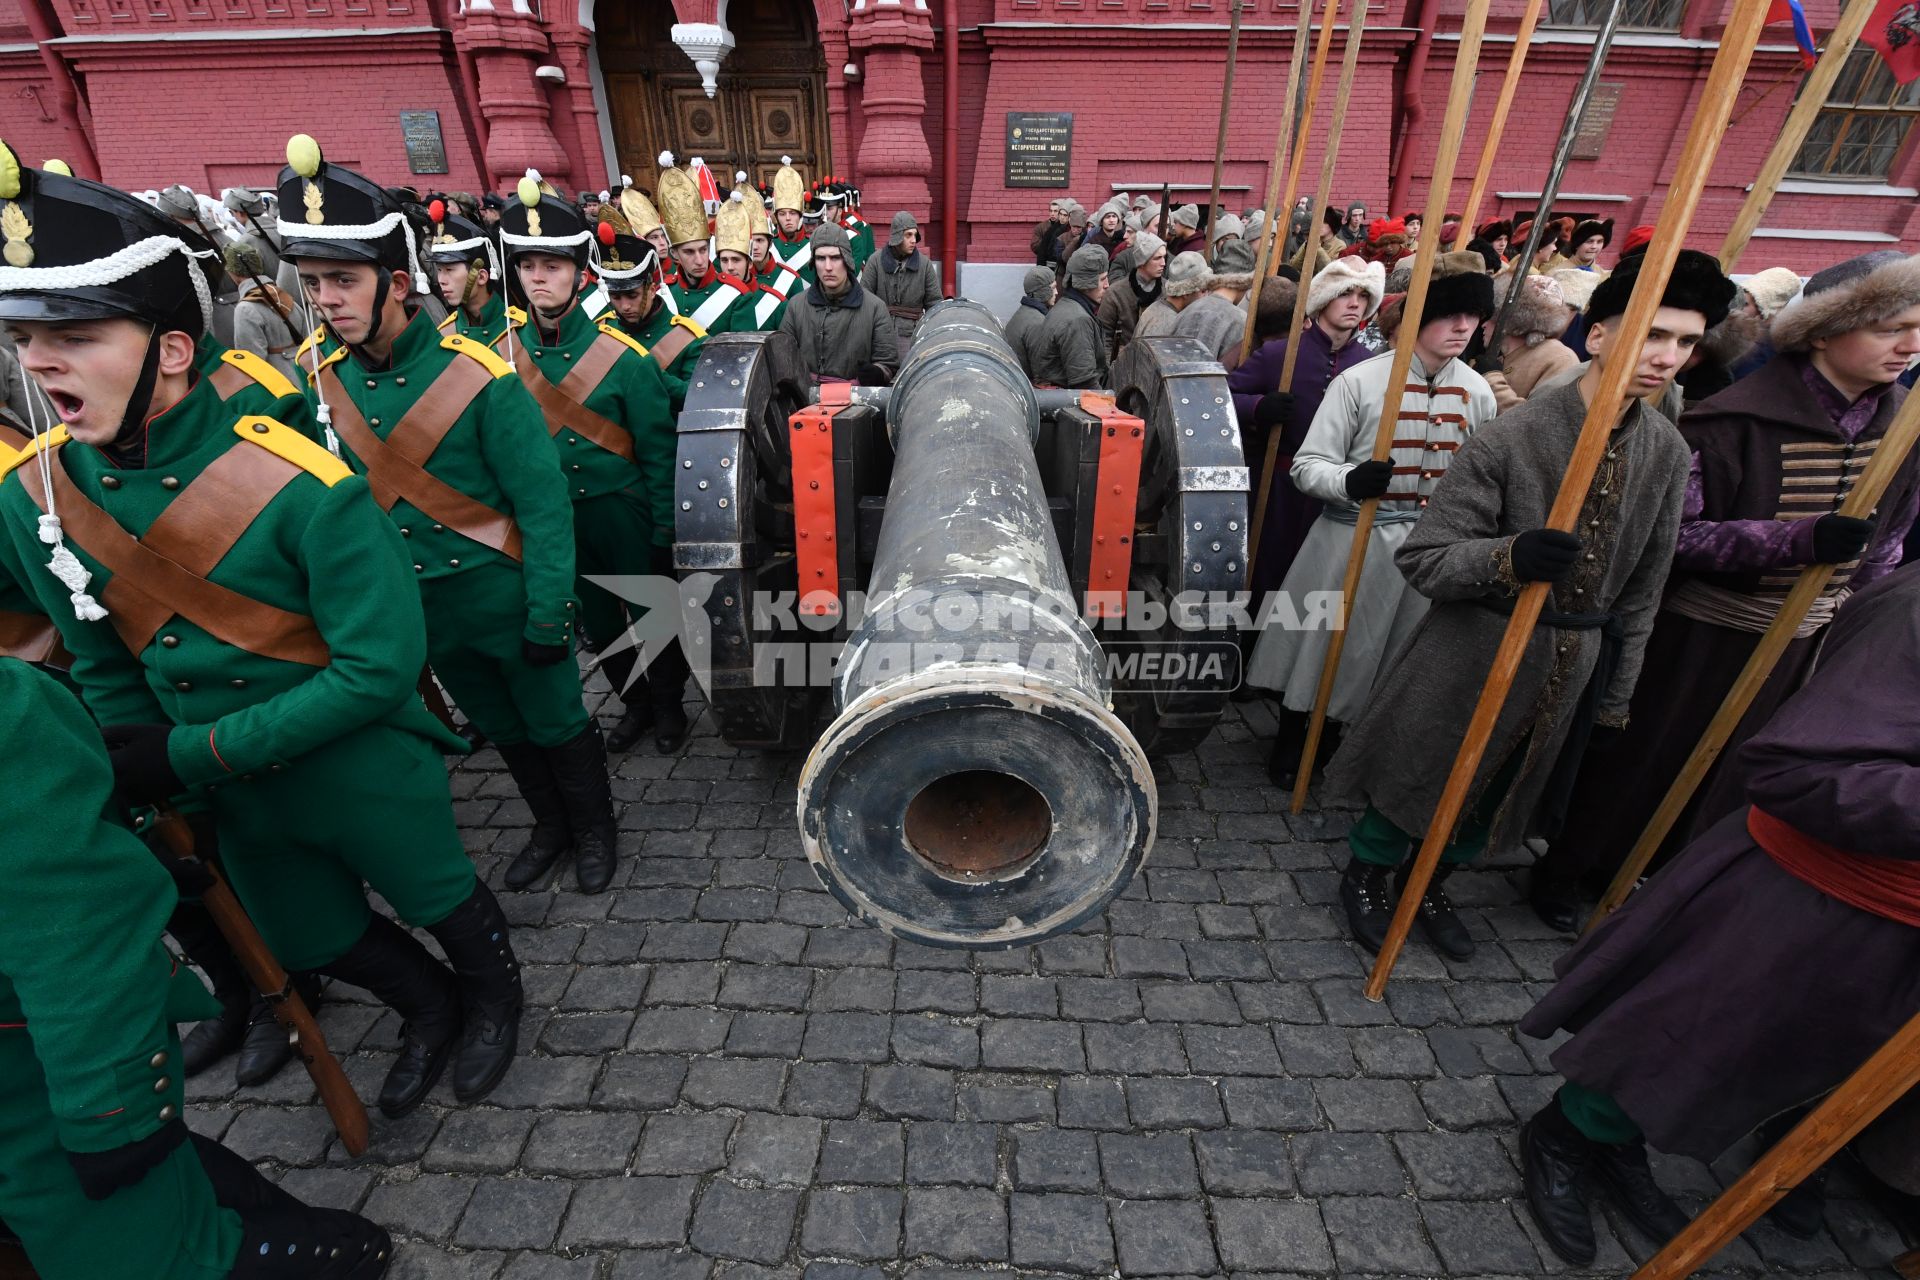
[
  {"x": 1272, "y": 1235},
  {"x": 733, "y": 1082},
  {"x": 1370, "y": 1105},
  {"x": 1186, "y": 1103},
  {"x": 775, "y": 1149},
  {"x": 744, "y": 1222},
  {"x": 852, "y": 991},
  {"x": 861, "y": 1222},
  {"x": 546, "y": 1082},
  {"x": 849, "y": 1037},
  {"x": 683, "y": 1144},
  {"x": 956, "y": 1224},
  {"x": 1384, "y": 1236},
  {"x": 329, "y": 1188},
  {"x": 628, "y": 1213},
  {"x": 478, "y": 1142},
  {"x": 513, "y": 1213},
  {"x": 679, "y": 1031},
  {"x": 1055, "y": 1160},
  {"x": 1271, "y": 1104},
  {"x": 1458, "y": 1166},
  {"x": 1465, "y": 1104},
  {"x": 1007, "y": 1103},
  {"x": 1480, "y": 1237},
  {"x": 1060, "y": 1233},
  {"x": 928, "y": 990},
  {"x": 1163, "y": 1237},
  {"x": 863, "y": 1151},
  {"x": 825, "y": 1088},
  {"x": 1244, "y": 1162},
  {"x": 1231, "y": 1051},
  {"x": 426, "y": 1206},
  {"x": 297, "y": 1136},
  {"x": 1019, "y": 996},
  {"x": 1091, "y": 1102},
  {"x": 640, "y": 1082},
  {"x": 967, "y": 1154},
  {"x": 911, "y": 1093},
  {"x": 588, "y": 1142},
  {"x": 1142, "y": 1166},
  {"x": 661, "y": 1264},
  {"x": 1189, "y": 1003},
  {"x": 1031, "y": 1044},
  {"x": 431, "y": 1262},
  {"x": 1135, "y": 1049},
  {"x": 757, "y": 1034},
  {"x": 692, "y": 982},
  {"x": 1347, "y": 1164}
]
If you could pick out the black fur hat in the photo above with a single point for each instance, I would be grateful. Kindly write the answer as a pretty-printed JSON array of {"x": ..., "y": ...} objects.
[
  {"x": 1592, "y": 227},
  {"x": 1459, "y": 286},
  {"x": 1697, "y": 284}
]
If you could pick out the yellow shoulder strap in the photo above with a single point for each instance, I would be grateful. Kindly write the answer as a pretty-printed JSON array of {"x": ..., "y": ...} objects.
[
  {"x": 51, "y": 440},
  {"x": 615, "y": 331},
  {"x": 283, "y": 441},
  {"x": 339, "y": 353},
  {"x": 261, "y": 371},
  {"x": 478, "y": 351},
  {"x": 451, "y": 316},
  {"x": 307, "y": 346},
  {"x": 516, "y": 315},
  {"x": 691, "y": 325}
]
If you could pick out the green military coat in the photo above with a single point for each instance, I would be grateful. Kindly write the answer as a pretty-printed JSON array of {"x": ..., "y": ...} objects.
[
  {"x": 88, "y": 999},
  {"x": 658, "y": 323},
  {"x": 797, "y": 254},
  {"x": 491, "y": 325}
]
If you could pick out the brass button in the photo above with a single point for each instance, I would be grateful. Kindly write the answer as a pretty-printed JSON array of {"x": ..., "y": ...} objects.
[
  {"x": 583, "y": 493},
  {"x": 373, "y": 422},
  {"x": 417, "y": 569},
  {"x": 109, "y": 482},
  {"x": 276, "y": 768},
  {"x": 400, "y": 382},
  {"x": 406, "y": 532},
  {"x": 371, "y": 384},
  {"x": 184, "y": 686},
  {"x": 238, "y": 684},
  {"x": 169, "y": 642},
  {"x": 453, "y": 564},
  {"x": 246, "y": 777},
  {"x": 169, "y": 482},
  {"x": 160, "y": 1085},
  {"x": 575, "y": 466},
  {"x": 259, "y": 428},
  {"x": 439, "y": 529},
  {"x": 166, "y": 1112},
  {"x": 158, "y": 1060}
]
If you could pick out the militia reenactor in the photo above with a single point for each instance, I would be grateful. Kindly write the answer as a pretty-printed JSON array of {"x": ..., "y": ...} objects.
[
  {"x": 265, "y": 320},
  {"x": 904, "y": 278},
  {"x": 1774, "y": 455},
  {"x": 609, "y": 409},
  {"x": 1481, "y": 539},
  {"x": 1070, "y": 351},
  {"x": 630, "y": 273},
  {"x": 838, "y": 199},
  {"x": 791, "y": 243},
  {"x": 457, "y": 453},
  {"x": 843, "y": 331},
  {"x": 461, "y": 254},
  {"x": 1030, "y": 317},
  {"x": 256, "y": 649},
  {"x": 736, "y": 227},
  {"x": 712, "y": 303},
  {"x": 771, "y": 276},
  {"x": 103, "y": 1180}
]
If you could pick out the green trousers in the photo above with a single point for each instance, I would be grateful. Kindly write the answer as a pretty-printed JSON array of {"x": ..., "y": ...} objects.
[
  {"x": 475, "y": 622},
  {"x": 167, "y": 1226},
  {"x": 1596, "y": 1115},
  {"x": 1374, "y": 839},
  {"x": 612, "y": 534},
  {"x": 369, "y": 808}
]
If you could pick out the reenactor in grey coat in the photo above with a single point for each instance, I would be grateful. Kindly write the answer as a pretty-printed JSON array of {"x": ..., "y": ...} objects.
[
  {"x": 265, "y": 320},
  {"x": 904, "y": 278},
  {"x": 1030, "y": 317},
  {"x": 1070, "y": 351},
  {"x": 843, "y": 330}
]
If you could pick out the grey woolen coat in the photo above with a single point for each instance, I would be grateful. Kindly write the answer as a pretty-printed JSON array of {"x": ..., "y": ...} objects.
[{"x": 838, "y": 335}]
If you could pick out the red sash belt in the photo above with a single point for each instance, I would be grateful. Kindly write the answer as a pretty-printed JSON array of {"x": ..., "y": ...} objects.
[{"x": 1885, "y": 887}]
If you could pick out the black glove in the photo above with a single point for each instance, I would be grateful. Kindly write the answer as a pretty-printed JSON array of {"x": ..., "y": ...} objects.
[
  {"x": 102, "y": 1173},
  {"x": 191, "y": 878},
  {"x": 1838, "y": 539},
  {"x": 142, "y": 773},
  {"x": 1274, "y": 412},
  {"x": 1544, "y": 555},
  {"x": 872, "y": 375},
  {"x": 536, "y": 654},
  {"x": 1369, "y": 479}
]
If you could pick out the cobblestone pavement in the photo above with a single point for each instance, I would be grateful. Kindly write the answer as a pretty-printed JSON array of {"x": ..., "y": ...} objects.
[{"x": 722, "y": 1076}]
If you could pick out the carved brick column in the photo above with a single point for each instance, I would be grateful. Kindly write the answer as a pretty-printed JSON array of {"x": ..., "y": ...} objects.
[
  {"x": 506, "y": 44},
  {"x": 891, "y": 37}
]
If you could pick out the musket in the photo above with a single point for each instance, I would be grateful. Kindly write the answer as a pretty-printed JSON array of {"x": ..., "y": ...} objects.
[{"x": 344, "y": 1108}]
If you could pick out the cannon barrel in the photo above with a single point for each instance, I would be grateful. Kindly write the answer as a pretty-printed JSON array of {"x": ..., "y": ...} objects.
[{"x": 976, "y": 788}]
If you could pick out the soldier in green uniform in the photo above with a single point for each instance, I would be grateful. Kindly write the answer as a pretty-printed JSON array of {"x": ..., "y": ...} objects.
[
  {"x": 840, "y": 199},
  {"x": 771, "y": 277},
  {"x": 458, "y": 454},
  {"x": 630, "y": 271},
  {"x": 99, "y": 1175},
  {"x": 734, "y": 229},
  {"x": 245, "y": 626},
  {"x": 460, "y": 254},
  {"x": 791, "y": 244}
]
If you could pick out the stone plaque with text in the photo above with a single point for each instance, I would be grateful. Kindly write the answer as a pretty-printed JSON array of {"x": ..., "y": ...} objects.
[
  {"x": 1039, "y": 148},
  {"x": 426, "y": 149}
]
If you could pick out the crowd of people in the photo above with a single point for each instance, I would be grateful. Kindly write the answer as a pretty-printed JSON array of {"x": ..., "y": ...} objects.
[{"x": 269, "y": 458}]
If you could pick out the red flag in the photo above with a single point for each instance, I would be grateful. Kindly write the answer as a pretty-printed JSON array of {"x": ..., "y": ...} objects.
[
  {"x": 1790, "y": 11},
  {"x": 1894, "y": 29}
]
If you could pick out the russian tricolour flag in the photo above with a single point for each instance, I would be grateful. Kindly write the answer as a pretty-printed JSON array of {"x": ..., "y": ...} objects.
[{"x": 1790, "y": 11}]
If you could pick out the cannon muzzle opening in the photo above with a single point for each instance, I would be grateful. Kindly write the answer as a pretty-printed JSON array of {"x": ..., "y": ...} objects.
[{"x": 978, "y": 825}]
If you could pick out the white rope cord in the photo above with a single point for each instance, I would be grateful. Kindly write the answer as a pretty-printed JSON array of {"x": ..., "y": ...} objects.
[
  {"x": 454, "y": 246},
  {"x": 63, "y": 564},
  {"x": 547, "y": 242},
  {"x": 112, "y": 269}
]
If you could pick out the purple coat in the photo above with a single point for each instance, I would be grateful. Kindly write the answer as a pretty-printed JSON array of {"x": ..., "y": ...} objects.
[{"x": 1290, "y": 513}]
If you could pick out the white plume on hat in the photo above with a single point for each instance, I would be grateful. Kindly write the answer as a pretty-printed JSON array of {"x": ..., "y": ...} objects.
[{"x": 1345, "y": 273}]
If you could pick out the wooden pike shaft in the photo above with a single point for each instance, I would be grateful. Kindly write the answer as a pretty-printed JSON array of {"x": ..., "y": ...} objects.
[
  {"x": 1875, "y": 479},
  {"x": 1880, "y": 1082},
  {"x": 1623, "y": 357},
  {"x": 1813, "y": 97},
  {"x": 1349, "y": 63},
  {"x": 1275, "y": 170},
  {"x": 1439, "y": 189},
  {"x": 1522, "y": 40},
  {"x": 1226, "y": 103},
  {"x": 1299, "y": 159}
]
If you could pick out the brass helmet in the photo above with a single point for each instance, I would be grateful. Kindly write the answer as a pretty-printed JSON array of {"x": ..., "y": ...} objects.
[
  {"x": 680, "y": 208},
  {"x": 733, "y": 224},
  {"x": 789, "y": 190}
]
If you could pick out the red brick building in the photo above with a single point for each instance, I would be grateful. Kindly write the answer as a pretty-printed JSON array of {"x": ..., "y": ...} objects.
[{"x": 466, "y": 94}]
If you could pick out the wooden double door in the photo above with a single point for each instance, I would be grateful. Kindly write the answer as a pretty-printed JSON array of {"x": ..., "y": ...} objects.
[{"x": 771, "y": 101}]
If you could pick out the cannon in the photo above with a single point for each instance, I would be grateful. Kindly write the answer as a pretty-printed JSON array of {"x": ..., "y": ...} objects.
[{"x": 971, "y": 567}]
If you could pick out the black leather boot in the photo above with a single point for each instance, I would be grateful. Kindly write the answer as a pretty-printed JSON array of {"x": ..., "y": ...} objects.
[
  {"x": 215, "y": 1037},
  {"x": 1802, "y": 1211},
  {"x": 1554, "y": 894},
  {"x": 1443, "y": 927},
  {"x": 636, "y": 699},
  {"x": 532, "y": 772},
  {"x": 267, "y": 1048},
  {"x": 237, "y": 1185},
  {"x": 480, "y": 949},
  {"x": 1554, "y": 1158},
  {"x": 671, "y": 728},
  {"x": 389, "y": 962},
  {"x": 1622, "y": 1173},
  {"x": 580, "y": 767},
  {"x": 1369, "y": 904},
  {"x": 307, "y": 1243}
]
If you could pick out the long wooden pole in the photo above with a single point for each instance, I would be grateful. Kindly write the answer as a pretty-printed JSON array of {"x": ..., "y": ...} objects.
[
  {"x": 1298, "y": 162},
  {"x": 1439, "y": 189},
  {"x": 1349, "y": 64},
  {"x": 1276, "y": 171},
  {"x": 1813, "y": 98},
  {"x": 1226, "y": 104},
  {"x": 1603, "y": 412},
  {"x": 1875, "y": 479},
  {"x": 1483, "y": 174},
  {"x": 1880, "y": 1082}
]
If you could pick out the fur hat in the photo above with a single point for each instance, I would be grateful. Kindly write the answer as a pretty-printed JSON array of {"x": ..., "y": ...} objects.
[
  {"x": 1038, "y": 283},
  {"x": 1491, "y": 231},
  {"x": 1187, "y": 273},
  {"x": 1540, "y": 312},
  {"x": 1695, "y": 285},
  {"x": 1232, "y": 263},
  {"x": 242, "y": 260},
  {"x": 1343, "y": 274},
  {"x": 1273, "y": 314},
  {"x": 1560, "y": 229},
  {"x": 1087, "y": 267},
  {"x": 1590, "y": 228},
  {"x": 1577, "y": 286},
  {"x": 1459, "y": 285},
  {"x": 1141, "y": 202},
  {"x": 1147, "y": 213},
  {"x": 1847, "y": 296},
  {"x": 1772, "y": 289}
]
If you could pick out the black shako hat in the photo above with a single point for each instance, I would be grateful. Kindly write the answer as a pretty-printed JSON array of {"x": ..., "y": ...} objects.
[
  {"x": 1697, "y": 284},
  {"x": 537, "y": 221},
  {"x": 328, "y": 211},
  {"x": 456, "y": 238},
  {"x": 71, "y": 249}
]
